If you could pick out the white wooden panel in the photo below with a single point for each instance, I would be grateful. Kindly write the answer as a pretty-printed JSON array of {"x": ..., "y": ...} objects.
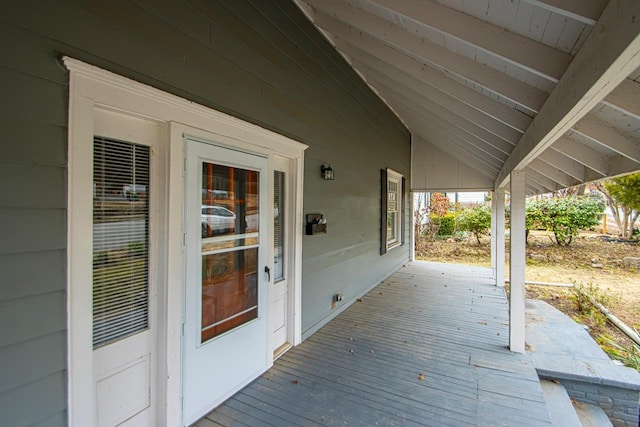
[
  {"x": 524, "y": 17},
  {"x": 538, "y": 24},
  {"x": 433, "y": 168},
  {"x": 570, "y": 36},
  {"x": 476, "y": 7},
  {"x": 393, "y": 63},
  {"x": 466, "y": 153},
  {"x": 587, "y": 11},
  {"x": 124, "y": 393},
  {"x": 513, "y": 48},
  {"x": 553, "y": 30},
  {"x": 512, "y": 89},
  {"x": 437, "y": 120},
  {"x": 455, "y": 146},
  {"x": 494, "y": 132}
]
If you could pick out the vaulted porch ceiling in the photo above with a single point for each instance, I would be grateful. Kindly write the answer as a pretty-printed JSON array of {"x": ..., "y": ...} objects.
[{"x": 551, "y": 87}]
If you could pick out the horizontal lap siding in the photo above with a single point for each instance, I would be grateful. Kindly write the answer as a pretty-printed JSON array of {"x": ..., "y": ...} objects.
[
  {"x": 260, "y": 61},
  {"x": 32, "y": 225}
]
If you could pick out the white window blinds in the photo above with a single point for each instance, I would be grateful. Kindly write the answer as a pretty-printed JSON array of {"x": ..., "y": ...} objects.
[
  {"x": 120, "y": 240},
  {"x": 278, "y": 230}
]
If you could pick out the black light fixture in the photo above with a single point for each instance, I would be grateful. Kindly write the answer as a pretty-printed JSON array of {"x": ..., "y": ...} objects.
[{"x": 327, "y": 172}]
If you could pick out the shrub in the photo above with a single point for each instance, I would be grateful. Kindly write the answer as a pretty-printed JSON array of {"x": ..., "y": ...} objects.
[
  {"x": 476, "y": 219},
  {"x": 629, "y": 355},
  {"x": 564, "y": 217},
  {"x": 446, "y": 224}
]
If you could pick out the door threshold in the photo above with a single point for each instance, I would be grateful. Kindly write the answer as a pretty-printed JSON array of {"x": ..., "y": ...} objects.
[{"x": 281, "y": 350}]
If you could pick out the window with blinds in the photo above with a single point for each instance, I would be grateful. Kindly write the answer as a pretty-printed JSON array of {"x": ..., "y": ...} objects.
[
  {"x": 278, "y": 229},
  {"x": 120, "y": 240}
]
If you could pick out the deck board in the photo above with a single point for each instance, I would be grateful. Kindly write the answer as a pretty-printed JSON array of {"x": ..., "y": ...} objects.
[{"x": 427, "y": 347}]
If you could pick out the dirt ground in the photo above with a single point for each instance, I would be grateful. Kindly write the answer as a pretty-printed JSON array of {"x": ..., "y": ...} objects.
[{"x": 593, "y": 261}]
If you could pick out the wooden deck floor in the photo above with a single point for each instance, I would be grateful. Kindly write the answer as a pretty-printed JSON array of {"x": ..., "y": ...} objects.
[{"x": 427, "y": 347}]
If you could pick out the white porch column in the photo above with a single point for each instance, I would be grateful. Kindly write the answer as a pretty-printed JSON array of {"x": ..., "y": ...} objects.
[
  {"x": 412, "y": 233},
  {"x": 497, "y": 201},
  {"x": 517, "y": 263},
  {"x": 493, "y": 232}
]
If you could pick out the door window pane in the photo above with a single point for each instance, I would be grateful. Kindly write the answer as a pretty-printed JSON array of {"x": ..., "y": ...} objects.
[
  {"x": 229, "y": 201},
  {"x": 229, "y": 248},
  {"x": 120, "y": 240},
  {"x": 229, "y": 291}
]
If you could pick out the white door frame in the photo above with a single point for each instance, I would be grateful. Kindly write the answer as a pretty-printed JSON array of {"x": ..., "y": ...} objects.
[
  {"x": 287, "y": 165},
  {"x": 90, "y": 87}
]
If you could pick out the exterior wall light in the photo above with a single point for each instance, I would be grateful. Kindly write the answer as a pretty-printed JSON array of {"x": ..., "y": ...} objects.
[{"x": 327, "y": 172}]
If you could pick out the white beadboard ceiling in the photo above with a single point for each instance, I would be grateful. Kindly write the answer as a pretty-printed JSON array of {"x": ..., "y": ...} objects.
[{"x": 549, "y": 87}]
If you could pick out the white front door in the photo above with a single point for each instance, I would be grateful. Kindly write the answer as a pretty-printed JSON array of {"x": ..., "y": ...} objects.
[
  {"x": 280, "y": 307},
  {"x": 226, "y": 334},
  {"x": 124, "y": 269}
]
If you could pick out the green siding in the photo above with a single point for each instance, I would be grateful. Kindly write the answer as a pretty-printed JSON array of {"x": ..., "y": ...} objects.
[{"x": 261, "y": 61}]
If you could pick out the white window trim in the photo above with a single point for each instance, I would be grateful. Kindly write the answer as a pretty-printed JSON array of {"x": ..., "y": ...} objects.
[
  {"x": 393, "y": 176},
  {"x": 90, "y": 88}
]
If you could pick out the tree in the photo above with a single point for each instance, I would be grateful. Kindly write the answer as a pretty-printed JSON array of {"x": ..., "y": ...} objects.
[
  {"x": 439, "y": 204},
  {"x": 421, "y": 213},
  {"x": 564, "y": 216},
  {"x": 476, "y": 219},
  {"x": 623, "y": 197}
]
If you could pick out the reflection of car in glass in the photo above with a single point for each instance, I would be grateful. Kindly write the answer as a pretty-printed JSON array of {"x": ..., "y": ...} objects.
[
  {"x": 134, "y": 191},
  {"x": 214, "y": 194},
  {"x": 216, "y": 220}
]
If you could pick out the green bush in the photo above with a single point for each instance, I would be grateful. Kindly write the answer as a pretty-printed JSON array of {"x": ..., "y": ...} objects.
[
  {"x": 564, "y": 217},
  {"x": 476, "y": 219},
  {"x": 446, "y": 224}
]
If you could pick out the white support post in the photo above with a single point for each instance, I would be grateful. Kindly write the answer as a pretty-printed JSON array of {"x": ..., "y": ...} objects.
[
  {"x": 517, "y": 263},
  {"x": 412, "y": 233},
  {"x": 500, "y": 229},
  {"x": 494, "y": 233}
]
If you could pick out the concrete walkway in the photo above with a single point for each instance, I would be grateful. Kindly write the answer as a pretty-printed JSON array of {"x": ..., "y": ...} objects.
[{"x": 564, "y": 351}]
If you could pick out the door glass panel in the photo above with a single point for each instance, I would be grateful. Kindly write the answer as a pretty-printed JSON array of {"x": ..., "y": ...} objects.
[
  {"x": 120, "y": 240},
  {"x": 278, "y": 229},
  {"x": 229, "y": 249}
]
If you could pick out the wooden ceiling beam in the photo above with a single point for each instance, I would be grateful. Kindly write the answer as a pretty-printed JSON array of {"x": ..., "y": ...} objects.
[
  {"x": 542, "y": 60},
  {"x": 553, "y": 173},
  {"x": 610, "y": 53},
  {"x": 370, "y": 33},
  {"x": 559, "y": 160},
  {"x": 605, "y": 134},
  {"x": 445, "y": 107},
  {"x": 418, "y": 114},
  {"x": 394, "y": 62},
  {"x": 583, "y": 154},
  {"x": 585, "y": 11},
  {"x": 625, "y": 97}
]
